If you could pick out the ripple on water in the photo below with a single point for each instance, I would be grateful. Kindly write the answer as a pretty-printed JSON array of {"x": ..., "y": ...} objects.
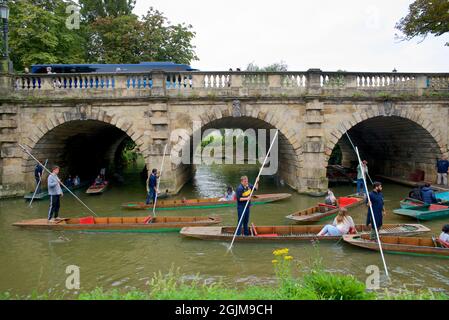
[{"x": 38, "y": 259}]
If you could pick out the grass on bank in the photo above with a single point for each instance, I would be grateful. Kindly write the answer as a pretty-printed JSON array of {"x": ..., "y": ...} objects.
[{"x": 314, "y": 284}]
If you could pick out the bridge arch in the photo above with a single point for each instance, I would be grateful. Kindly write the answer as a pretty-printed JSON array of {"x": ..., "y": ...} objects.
[
  {"x": 396, "y": 141},
  {"x": 250, "y": 117},
  {"x": 80, "y": 141}
]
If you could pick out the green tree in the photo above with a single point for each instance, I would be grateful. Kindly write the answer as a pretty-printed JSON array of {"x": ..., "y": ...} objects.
[
  {"x": 126, "y": 39},
  {"x": 38, "y": 34},
  {"x": 93, "y": 9},
  {"x": 275, "y": 67},
  {"x": 425, "y": 17}
]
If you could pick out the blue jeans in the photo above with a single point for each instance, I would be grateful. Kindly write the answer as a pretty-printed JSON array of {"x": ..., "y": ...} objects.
[
  {"x": 244, "y": 222},
  {"x": 330, "y": 230},
  {"x": 360, "y": 186},
  {"x": 151, "y": 197}
]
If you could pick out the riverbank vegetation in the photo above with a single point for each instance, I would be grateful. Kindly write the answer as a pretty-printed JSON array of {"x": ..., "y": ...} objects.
[{"x": 312, "y": 283}]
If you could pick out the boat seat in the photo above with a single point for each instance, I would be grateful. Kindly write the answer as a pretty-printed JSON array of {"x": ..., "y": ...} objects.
[
  {"x": 87, "y": 220},
  {"x": 327, "y": 205}
]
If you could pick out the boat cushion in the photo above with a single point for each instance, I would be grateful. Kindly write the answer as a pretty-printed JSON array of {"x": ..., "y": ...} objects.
[
  {"x": 148, "y": 219},
  {"x": 437, "y": 207},
  {"x": 344, "y": 202},
  {"x": 87, "y": 220}
]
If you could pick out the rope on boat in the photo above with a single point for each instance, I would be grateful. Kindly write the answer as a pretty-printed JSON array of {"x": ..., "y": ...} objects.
[
  {"x": 62, "y": 184},
  {"x": 159, "y": 180},
  {"x": 38, "y": 184},
  {"x": 372, "y": 216},
  {"x": 252, "y": 190}
]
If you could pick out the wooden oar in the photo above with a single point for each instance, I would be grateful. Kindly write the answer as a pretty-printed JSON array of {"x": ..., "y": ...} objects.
[{"x": 37, "y": 187}]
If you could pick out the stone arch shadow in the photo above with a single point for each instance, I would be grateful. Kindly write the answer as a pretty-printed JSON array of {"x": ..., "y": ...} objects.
[
  {"x": 51, "y": 136},
  {"x": 398, "y": 141}
]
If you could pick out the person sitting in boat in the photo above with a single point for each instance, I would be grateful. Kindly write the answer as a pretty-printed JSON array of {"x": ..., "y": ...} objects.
[
  {"x": 444, "y": 236},
  {"x": 69, "y": 182},
  {"x": 229, "y": 195},
  {"x": 98, "y": 181},
  {"x": 428, "y": 195},
  {"x": 342, "y": 225},
  {"x": 76, "y": 181},
  {"x": 416, "y": 193},
  {"x": 330, "y": 199}
]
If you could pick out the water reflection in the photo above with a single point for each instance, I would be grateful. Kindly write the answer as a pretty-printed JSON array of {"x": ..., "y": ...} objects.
[{"x": 36, "y": 260}]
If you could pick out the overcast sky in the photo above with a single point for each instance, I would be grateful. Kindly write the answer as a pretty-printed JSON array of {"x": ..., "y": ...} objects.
[{"x": 349, "y": 35}]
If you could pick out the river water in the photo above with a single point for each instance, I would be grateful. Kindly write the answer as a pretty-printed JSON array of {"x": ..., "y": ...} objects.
[{"x": 37, "y": 260}]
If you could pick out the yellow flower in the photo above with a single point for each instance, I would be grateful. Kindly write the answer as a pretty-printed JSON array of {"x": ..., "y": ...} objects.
[
  {"x": 280, "y": 252},
  {"x": 274, "y": 261},
  {"x": 288, "y": 258}
]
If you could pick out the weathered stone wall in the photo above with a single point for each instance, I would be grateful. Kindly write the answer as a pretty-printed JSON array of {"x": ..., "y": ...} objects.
[{"x": 399, "y": 121}]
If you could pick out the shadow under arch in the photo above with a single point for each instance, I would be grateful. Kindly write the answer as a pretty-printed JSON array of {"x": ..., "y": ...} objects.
[
  {"x": 393, "y": 146},
  {"x": 288, "y": 158},
  {"x": 79, "y": 147}
]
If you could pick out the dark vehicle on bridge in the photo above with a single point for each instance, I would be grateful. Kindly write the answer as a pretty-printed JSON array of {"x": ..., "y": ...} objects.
[{"x": 106, "y": 68}]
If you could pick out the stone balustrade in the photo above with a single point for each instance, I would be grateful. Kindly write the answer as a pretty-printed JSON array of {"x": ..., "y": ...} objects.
[{"x": 201, "y": 83}]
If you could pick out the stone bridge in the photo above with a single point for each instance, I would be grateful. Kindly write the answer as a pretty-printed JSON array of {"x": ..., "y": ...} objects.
[{"x": 399, "y": 121}]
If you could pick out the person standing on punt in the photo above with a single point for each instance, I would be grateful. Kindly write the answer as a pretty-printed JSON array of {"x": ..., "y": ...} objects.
[
  {"x": 362, "y": 171},
  {"x": 377, "y": 203},
  {"x": 151, "y": 187},
  {"x": 55, "y": 193},
  {"x": 38, "y": 171},
  {"x": 242, "y": 194}
]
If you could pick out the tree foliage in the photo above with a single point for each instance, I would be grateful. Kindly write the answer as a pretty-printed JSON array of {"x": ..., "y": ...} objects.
[
  {"x": 93, "y": 9},
  {"x": 425, "y": 17},
  {"x": 127, "y": 39},
  {"x": 274, "y": 67},
  {"x": 38, "y": 34},
  {"x": 109, "y": 33}
]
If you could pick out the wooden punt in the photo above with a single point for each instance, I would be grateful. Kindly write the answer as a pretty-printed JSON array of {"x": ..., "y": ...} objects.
[
  {"x": 38, "y": 196},
  {"x": 292, "y": 232},
  {"x": 205, "y": 203},
  {"x": 119, "y": 224},
  {"x": 44, "y": 193},
  {"x": 401, "y": 245},
  {"x": 425, "y": 212},
  {"x": 322, "y": 211},
  {"x": 97, "y": 189}
]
